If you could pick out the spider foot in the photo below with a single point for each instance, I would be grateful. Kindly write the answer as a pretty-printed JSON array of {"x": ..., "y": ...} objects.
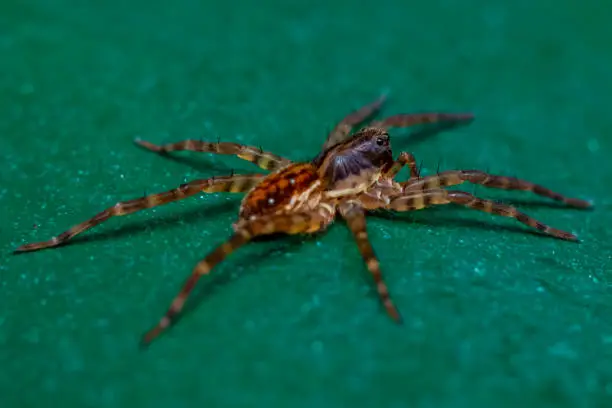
[
  {"x": 36, "y": 246},
  {"x": 148, "y": 145}
]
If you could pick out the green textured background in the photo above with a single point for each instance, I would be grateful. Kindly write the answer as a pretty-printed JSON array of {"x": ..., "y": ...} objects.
[{"x": 495, "y": 316}]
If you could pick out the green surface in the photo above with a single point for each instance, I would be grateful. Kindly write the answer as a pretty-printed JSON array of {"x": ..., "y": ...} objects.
[{"x": 495, "y": 316}]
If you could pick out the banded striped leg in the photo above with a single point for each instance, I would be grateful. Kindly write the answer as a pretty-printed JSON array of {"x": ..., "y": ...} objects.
[
  {"x": 405, "y": 159},
  {"x": 263, "y": 159},
  {"x": 233, "y": 184},
  {"x": 456, "y": 177},
  {"x": 343, "y": 129},
  {"x": 354, "y": 215},
  {"x": 422, "y": 199},
  {"x": 284, "y": 223},
  {"x": 413, "y": 119}
]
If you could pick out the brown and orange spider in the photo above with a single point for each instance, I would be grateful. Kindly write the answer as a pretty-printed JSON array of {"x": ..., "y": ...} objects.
[{"x": 353, "y": 174}]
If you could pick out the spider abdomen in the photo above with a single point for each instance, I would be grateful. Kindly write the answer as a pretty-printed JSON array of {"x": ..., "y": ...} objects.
[{"x": 295, "y": 186}]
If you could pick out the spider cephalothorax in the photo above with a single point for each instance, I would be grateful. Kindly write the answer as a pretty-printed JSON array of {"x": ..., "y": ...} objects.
[
  {"x": 353, "y": 174},
  {"x": 358, "y": 160}
]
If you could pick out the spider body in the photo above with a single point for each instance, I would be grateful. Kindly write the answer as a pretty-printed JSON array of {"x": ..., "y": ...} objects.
[
  {"x": 344, "y": 170},
  {"x": 295, "y": 187},
  {"x": 353, "y": 174}
]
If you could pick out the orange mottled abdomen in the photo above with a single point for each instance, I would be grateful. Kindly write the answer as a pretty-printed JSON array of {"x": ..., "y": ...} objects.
[{"x": 281, "y": 189}]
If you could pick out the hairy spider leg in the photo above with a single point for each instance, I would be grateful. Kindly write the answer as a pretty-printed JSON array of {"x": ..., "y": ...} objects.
[
  {"x": 412, "y": 119},
  {"x": 232, "y": 184},
  {"x": 298, "y": 223},
  {"x": 404, "y": 159},
  {"x": 354, "y": 215},
  {"x": 456, "y": 177},
  {"x": 342, "y": 130},
  {"x": 261, "y": 158},
  {"x": 427, "y": 198}
]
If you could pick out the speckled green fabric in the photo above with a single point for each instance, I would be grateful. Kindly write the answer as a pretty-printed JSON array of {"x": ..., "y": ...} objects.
[{"x": 495, "y": 316}]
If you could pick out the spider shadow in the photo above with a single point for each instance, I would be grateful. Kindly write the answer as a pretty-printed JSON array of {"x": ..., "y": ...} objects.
[
  {"x": 216, "y": 282},
  {"x": 419, "y": 134},
  {"x": 437, "y": 220},
  {"x": 434, "y": 218},
  {"x": 201, "y": 166},
  {"x": 289, "y": 243},
  {"x": 531, "y": 203},
  {"x": 163, "y": 223}
]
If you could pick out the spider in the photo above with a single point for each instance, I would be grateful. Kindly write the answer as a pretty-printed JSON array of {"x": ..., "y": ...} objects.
[{"x": 351, "y": 176}]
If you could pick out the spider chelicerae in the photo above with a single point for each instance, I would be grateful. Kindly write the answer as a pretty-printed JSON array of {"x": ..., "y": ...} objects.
[{"x": 352, "y": 175}]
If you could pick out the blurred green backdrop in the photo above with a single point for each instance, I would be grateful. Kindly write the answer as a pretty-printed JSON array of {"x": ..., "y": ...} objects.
[{"x": 495, "y": 315}]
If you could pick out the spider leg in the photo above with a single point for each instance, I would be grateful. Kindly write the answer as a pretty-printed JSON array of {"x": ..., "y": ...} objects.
[
  {"x": 263, "y": 159},
  {"x": 354, "y": 215},
  {"x": 456, "y": 177},
  {"x": 405, "y": 159},
  {"x": 421, "y": 199},
  {"x": 343, "y": 129},
  {"x": 298, "y": 223},
  {"x": 413, "y": 119},
  {"x": 233, "y": 184}
]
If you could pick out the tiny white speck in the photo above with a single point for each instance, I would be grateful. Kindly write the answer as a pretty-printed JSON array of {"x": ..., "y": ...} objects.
[
  {"x": 292, "y": 181},
  {"x": 316, "y": 346},
  {"x": 593, "y": 145},
  {"x": 271, "y": 201}
]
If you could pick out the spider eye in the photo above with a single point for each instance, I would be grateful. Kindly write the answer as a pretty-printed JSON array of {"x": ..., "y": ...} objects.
[{"x": 380, "y": 141}]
